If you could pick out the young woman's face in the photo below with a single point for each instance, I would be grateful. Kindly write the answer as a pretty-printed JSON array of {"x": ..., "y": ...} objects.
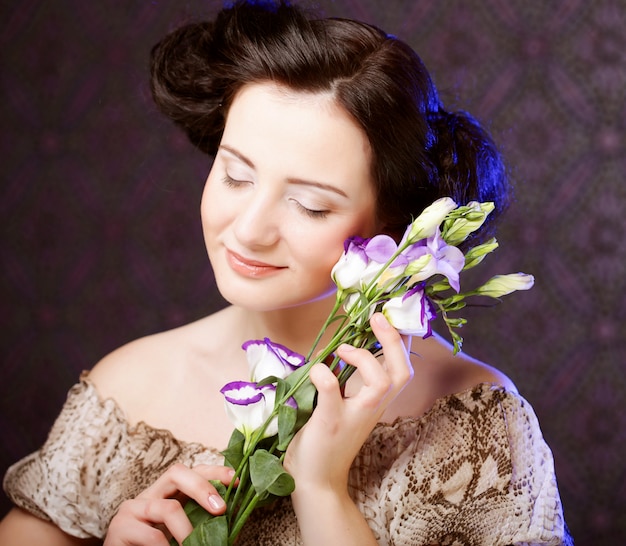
[{"x": 290, "y": 182}]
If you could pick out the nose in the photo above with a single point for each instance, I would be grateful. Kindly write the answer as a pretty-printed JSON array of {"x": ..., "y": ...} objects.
[{"x": 257, "y": 221}]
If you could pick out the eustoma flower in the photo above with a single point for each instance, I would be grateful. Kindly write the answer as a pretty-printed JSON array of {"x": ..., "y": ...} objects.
[
  {"x": 412, "y": 282},
  {"x": 447, "y": 260},
  {"x": 365, "y": 259},
  {"x": 250, "y": 406},
  {"x": 411, "y": 313},
  {"x": 267, "y": 359}
]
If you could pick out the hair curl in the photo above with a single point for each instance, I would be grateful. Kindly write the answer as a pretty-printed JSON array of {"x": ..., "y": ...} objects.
[{"x": 420, "y": 152}]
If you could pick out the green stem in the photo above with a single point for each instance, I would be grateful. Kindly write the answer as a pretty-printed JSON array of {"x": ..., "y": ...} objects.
[
  {"x": 247, "y": 505},
  {"x": 242, "y": 517},
  {"x": 331, "y": 317},
  {"x": 243, "y": 473}
]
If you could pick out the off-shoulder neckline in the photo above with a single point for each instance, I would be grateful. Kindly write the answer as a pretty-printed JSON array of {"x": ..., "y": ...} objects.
[{"x": 400, "y": 422}]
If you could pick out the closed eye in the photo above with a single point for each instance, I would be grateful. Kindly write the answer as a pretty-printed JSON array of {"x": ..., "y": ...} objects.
[
  {"x": 233, "y": 182},
  {"x": 311, "y": 212}
]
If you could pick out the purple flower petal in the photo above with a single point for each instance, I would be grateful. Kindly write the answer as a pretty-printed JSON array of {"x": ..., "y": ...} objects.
[
  {"x": 355, "y": 245},
  {"x": 241, "y": 393},
  {"x": 380, "y": 248},
  {"x": 266, "y": 359}
]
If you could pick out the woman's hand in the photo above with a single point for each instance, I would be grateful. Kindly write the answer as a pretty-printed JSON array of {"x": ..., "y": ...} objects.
[
  {"x": 320, "y": 455},
  {"x": 157, "y": 513}
]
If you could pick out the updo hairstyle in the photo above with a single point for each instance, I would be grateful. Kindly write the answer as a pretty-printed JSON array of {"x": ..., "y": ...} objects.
[{"x": 420, "y": 151}]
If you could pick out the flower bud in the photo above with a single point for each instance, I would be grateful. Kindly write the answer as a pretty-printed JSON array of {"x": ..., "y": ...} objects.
[
  {"x": 470, "y": 219},
  {"x": 501, "y": 285},
  {"x": 429, "y": 220},
  {"x": 477, "y": 254},
  {"x": 418, "y": 265}
]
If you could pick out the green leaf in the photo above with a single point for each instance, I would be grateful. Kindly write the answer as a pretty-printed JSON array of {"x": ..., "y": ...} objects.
[
  {"x": 304, "y": 395},
  {"x": 196, "y": 513},
  {"x": 268, "y": 475},
  {"x": 269, "y": 380},
  {"x": 439, "y": 286},
  {"x": 199, "y": 517},
  {"x": 233, "y": 454},
  {"x": 475, "y": 255},
  {"x": 457, "y": 340},
  {"x": 456, "y": 322},
  {"x": 287, "y": 417},
  {"x": 281, "y": 388},
  {"x": 455, "y": 306},
  {"x": 211, "y": 532}
]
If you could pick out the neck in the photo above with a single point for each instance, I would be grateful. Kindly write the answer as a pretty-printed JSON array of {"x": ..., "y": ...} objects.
[{"x": 294, "y": 327}]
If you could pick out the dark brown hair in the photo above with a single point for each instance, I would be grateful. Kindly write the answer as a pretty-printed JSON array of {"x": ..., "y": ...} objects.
[{"x": 420, "y": 151}]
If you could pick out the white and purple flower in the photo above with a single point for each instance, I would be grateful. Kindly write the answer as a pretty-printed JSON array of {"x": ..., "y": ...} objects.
[
  {"x": 447, "y": 260},
  {"x": 269, "y": 359},
  {"x": 249, "y": 406},
  {"x": 363, "y": 259},
  {"x": 411, "y": 313}
]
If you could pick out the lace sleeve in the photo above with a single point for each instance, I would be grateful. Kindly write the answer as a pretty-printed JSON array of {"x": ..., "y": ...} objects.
[
  {"x": 475, "y": 470},
  {"x": 91, "y": 462}
]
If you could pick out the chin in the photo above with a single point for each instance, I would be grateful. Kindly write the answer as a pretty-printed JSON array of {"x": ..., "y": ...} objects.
[{"x": 267, "y": 299}]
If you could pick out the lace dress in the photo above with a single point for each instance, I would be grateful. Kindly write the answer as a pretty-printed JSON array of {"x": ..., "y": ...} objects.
[{"x": 474, "y": 470}]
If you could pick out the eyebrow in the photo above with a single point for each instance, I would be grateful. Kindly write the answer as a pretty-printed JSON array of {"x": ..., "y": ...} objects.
[{"x": 298, "y": 181}]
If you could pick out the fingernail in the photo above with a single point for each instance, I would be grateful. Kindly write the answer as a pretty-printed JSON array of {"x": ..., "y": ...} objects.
[
  {"x": 381, "y": 320},
  {"x": 231, "y": 473},
  {"x": 216, "y": 502},
  {"x": 346, "y": 348}
]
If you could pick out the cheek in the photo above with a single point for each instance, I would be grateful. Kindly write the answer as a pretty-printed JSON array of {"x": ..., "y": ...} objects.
[{"x": 318, "y": 251}]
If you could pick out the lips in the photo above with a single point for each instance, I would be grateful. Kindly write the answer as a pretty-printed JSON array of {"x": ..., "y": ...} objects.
[{"x": 250, "y": 268}]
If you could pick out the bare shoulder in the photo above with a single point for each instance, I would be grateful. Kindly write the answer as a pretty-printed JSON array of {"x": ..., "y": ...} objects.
[
  {"x": 133, "y": 372},
  {"x": 151, "y": 377},
  {"x": 153, "y": 356},
  {"x": 439, "y": 373},
  {"x": 455, "y": 373},
  {"x": 481, "y": 372},
  {"x": 139, "y": 359}
]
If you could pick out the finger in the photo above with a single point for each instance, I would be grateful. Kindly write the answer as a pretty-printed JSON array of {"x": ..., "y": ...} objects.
[
  {"x": 376, "y": 381},
  {"x": 143, "y": 521},
  {"x": 329, "y": 397},
  {"x": 171, "y": 514},
  {"x": 193, "y": 484},
  {"x": 394, "y": 346},
  {"x": 223, "y": 474}
]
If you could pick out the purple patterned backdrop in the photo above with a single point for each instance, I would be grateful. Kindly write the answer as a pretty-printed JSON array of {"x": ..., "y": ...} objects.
[{"x": 101, "y": 241}]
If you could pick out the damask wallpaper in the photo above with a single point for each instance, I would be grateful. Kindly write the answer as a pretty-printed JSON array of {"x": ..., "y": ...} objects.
[{"x": 101, "y": 240}]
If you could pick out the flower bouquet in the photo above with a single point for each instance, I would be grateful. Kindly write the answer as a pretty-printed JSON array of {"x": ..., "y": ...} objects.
[{"x": 410, "y": 283}]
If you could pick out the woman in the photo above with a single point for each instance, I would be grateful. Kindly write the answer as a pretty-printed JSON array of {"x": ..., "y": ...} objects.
[{"x": 320, "y": 129}]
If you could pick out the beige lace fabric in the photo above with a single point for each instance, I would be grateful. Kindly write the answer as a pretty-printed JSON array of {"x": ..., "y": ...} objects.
[{"x": 474, "y": 470}]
